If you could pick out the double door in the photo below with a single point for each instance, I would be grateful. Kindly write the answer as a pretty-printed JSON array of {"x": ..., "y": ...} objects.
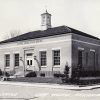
[{"x": 29, "y": 59}]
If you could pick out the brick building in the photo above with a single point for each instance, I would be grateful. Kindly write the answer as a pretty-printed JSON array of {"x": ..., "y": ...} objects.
[{"x": 48, "y": 50}]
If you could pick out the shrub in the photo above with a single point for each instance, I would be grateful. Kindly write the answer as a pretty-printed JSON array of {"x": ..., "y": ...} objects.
[
  {"x": 7, "y": 74},
  {"x": 31, "y": 74},
  {"x": 65, "y": 78},
  {"x": 62, "y": 75},
  {"x": 1, "y": 73},
  {"x": 76, "y": 74},
  {"x": 57, "y": 75},
  {"x": 42, "y": 74},
  {"x": 66, "y": 72}
]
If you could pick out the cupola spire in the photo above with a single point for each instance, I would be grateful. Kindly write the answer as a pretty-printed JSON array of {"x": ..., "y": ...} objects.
[{"x": 45, "y": 20}]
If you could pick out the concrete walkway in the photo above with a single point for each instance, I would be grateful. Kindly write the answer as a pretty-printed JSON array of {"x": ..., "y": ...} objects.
[{"x": 48, "y": 85}]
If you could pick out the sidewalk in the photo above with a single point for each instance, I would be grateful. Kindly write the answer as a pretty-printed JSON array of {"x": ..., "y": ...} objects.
[{"x": 48, "y": 85}]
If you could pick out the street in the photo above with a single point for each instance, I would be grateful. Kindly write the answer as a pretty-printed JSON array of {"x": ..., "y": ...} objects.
[{"x": 17, "y": 92}]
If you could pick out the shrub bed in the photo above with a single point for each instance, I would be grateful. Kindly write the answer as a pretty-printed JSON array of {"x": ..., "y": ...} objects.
[
  {"x": 57, "y": 75},
  {"x": 42, "y": 74},
  {"x": 31, "y": 74},
  {"x": 83, "y": 73}
]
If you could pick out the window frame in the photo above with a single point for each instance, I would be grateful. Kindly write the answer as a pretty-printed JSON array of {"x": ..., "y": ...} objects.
[
  {"x": 93, "y": 58},
  {"x": 80, "y": 57},
  {"x": 15, "y": 60},
  {"x": 59, "y": 56},
  {"x": 87, "y": 58},
  {"x": 7, "y": 61},
  {"x": 43, "y": 64}
]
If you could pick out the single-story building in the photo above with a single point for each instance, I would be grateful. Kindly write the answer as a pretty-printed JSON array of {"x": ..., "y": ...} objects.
[{"x": 47, "y": 51}]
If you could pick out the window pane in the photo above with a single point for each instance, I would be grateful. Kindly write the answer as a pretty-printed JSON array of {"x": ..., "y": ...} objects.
[
  {"x": 30, "y": 62},
  {"x": 56, "y": 57},
  {"x": 43, "y": 58}
]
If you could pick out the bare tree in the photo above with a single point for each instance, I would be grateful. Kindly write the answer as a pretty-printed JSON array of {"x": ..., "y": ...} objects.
[
  {"x": 6, "y": 36},
  {"x": 12, "y": 34}
]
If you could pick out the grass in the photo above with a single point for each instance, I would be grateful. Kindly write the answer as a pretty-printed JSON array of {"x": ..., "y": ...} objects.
[
  {"x": 37, "y": 80},
  {"x": 83, "y": 82}
]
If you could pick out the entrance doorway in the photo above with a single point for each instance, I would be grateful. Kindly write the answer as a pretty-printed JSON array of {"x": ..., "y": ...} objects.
[{"x": 29, "y": 60}]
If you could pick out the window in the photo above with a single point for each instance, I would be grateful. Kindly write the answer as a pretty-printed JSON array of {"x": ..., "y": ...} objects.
[
  {"x": 28, "y": 62},
  {"x": 86, "y": 58},
  {"x": 7, "y": 60},
  {"x": 43, "y": 58},
  {"x": 56, "y": 57},
  {"x": 16, "y": 60},
  {"x": 48, "y": 17},
  {"x": 43, "y": 17},
  {"x": 80, "y": 58},
  {"x": 97, "y": 59},
  {"x": 92, "y": 60}
]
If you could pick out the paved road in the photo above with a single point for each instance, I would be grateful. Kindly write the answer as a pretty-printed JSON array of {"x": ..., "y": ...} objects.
[{"x": 8, "y": 92}]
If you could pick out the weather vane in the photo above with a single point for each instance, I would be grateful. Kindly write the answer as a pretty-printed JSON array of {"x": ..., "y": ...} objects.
[{"x": 46, "y": 8}]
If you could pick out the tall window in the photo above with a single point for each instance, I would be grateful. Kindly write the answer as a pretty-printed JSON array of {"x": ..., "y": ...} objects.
[
  {"x": 80, "y": 57},
  {"x": 7, "y": 60},
  {"x": 56, "y": 57},
  {"x": 43, "y": 58},
  {"x": 16, "y": 59},
  {"x": 86, "y": 58},
  {"x": 97, "y": 59},
  {"x": 92, "y": 59}
]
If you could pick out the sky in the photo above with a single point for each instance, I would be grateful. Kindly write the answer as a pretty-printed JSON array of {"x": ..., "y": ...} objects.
[{"x": 25, "y": 15}]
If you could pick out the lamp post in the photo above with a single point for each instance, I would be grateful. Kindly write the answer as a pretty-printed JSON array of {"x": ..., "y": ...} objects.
[{"x": 23, "y": 64}]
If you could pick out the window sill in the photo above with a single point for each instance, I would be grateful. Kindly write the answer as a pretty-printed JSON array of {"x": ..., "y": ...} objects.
[
  {"x": 56, "y": 66},
  {"x": 43, "y": 66},
  {"x": 16, "y": 67},
  {"x": 7, "y": 67}
]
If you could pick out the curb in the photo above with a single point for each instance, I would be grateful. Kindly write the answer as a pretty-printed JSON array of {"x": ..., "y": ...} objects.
[{"x": 47, "y": 85}]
